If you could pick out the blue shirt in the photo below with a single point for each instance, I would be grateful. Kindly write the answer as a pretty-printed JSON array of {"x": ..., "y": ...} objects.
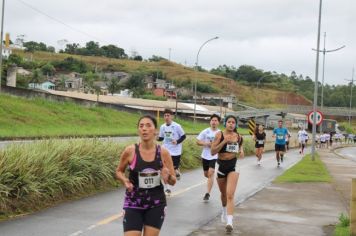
[{"x": 280, "y": 135}]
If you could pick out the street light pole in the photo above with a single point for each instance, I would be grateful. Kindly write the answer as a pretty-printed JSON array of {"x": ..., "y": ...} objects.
[
  {"x": 352, "y": 84},
  {"x": 1, "y": 35},
  {"x": 316, "y": 83},
  {"x": 196, "y": 68},
  {"x": 324, "y": 51}
]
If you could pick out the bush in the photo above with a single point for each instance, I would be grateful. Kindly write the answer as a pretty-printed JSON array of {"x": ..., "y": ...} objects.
[
  {"x": 37, "y": 175},
  {"x": 153, "y": 97}
]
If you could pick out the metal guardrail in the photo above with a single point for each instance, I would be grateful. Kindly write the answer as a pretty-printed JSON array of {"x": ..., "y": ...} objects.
[{"x": 335, "y": 111}]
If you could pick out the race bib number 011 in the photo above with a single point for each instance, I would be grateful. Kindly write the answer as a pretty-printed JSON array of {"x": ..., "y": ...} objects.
[
  {"x": 149, "y": 180},
  {"x": 233, "y": 147}
]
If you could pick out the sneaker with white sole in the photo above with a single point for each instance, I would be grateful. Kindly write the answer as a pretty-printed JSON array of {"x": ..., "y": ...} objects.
[
  {"x": 178, "y": 174},
  {"x": 206, "y": 197},
  {"x": 168, "y": 192},
  {"x": 229, "y": 228}
]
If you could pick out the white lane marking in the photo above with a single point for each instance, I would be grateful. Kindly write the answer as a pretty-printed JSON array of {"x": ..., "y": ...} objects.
[
  {"x": 77, "y": 233},
  {"x": 186, "y": 189},
  {"x": 91, "y": 227}
]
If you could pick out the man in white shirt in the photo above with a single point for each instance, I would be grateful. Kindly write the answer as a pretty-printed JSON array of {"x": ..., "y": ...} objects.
[
  {"x": 172, "y": 135},
  {"x": 302, "y": 135},
  {"x": 205, "y": 139}
]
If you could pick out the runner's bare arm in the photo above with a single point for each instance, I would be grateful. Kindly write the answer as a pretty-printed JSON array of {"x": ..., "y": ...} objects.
[
  {"x": 215, "y": 145},
  {"x": 168, "y": 169},
  {"x": 125, "y": 159}
]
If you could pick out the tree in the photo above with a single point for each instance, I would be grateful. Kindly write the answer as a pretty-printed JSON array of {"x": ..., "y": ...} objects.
[
  {"x": 156, "y": 58},
  {"x": 48, "y": 69},
  {"x": 136, "y": 84},
  {"x": 37, "y": 76},
  {"x": 15, "y": 59},
  {"x": 112, "y": 51},
  {"x": 72, "y": 48},
  {"x": 89, "y": 79},
  {"x": 92, "y": 49},
  {"x": 32, "y": 46},
  {"x": 113, "y": 86},
  {"x": 138, "y": 58}
]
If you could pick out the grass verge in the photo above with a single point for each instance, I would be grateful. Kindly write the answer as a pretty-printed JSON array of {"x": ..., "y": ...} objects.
[
  {"x": 36, "y": 118},
  {"x": 38, "y": 175},
  {"x": 343, "y": 227},
  {"x": 305, "y": 170}
]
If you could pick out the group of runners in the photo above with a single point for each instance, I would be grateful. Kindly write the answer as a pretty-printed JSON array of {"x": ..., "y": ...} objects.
[{"x": 153, "y": 168}]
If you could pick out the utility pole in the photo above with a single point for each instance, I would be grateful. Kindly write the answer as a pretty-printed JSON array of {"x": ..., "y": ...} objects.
[
  {"x": 1, "y": 35},
  {"x": 352, "y": 84},
  {"x": 169, "y": 54},
  {"x": 316, "y": 82},
  {"x": 324, "y": 51}
]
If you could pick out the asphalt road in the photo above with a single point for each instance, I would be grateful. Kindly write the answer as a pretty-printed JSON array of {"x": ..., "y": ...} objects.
[
  {"x": 349, "y": 152},
  {"x": 101, "y": 214}
]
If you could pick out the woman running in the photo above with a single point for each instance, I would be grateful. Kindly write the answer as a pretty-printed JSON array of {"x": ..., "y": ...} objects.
[
  {"x": 260, "y": 139},
  {"x": 227, "y": 144},
  {"x": 148, "y": 163}
]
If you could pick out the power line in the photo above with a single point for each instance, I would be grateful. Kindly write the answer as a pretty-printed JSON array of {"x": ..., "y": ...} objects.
[{"x": 59, "y": 21}]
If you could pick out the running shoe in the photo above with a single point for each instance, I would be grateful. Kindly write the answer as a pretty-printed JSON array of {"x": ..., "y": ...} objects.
[
  {"x": 178, "y": 174},
  {"x": 259, "y": 163},
  {"x": 168, "y": 192},
  {"x": 229, "y": 228},
  {"x": 206, "y": 197},
  {"x": 279, "y": 164}
]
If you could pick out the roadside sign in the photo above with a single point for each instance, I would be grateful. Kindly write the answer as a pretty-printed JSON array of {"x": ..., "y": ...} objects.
[
  {"x": 319, "y": 117},
  {"x": 251, "y": 126}
]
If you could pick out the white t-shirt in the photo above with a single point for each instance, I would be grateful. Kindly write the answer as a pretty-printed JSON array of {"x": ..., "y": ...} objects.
[
  {"x": 302, "y": 136},
  {"x": 322, "y": 138},
  {"x": 327, "y": 137},
  {"x": 207, "y": 135},
  {"x": 171, "y": 132}
]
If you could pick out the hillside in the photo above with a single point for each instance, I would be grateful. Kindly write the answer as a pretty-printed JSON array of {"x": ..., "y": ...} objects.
[
  {"x": 180, "y": 74},
  {"x": 28, "y": 118}
]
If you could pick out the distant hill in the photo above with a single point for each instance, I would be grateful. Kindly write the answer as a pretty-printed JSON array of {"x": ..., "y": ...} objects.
[{"x": 181, "y": 76}]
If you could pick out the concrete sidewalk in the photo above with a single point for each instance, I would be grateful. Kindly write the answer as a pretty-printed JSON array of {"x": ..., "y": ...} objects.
[{"x": 294, "y": 208}]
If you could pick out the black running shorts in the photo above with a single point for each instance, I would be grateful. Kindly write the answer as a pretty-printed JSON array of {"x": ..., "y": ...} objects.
[
  {"x": 208, "y": 164},
  {"x": 226, "y": 166},
  {"x": 135, "y": 219},
  {"x": 280, "y": 147}
]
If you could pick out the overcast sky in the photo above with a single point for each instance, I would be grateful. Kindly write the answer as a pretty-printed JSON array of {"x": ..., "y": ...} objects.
[{"x": 272, "y": 35}]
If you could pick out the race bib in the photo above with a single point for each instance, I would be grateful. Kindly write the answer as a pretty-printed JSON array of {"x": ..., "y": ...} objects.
[
  {"x": 149, "y": 179},
  {"x": 232, "y": 147},
  {"x": 260, "y": 141},
  {"x": 280, "y": 137},
  {"x": 168, "y": 137}
]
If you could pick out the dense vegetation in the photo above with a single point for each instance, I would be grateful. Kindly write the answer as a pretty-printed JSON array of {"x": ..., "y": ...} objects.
[
  {"x": 90, "y": 62},
  {"x": 37, "y": 175}
]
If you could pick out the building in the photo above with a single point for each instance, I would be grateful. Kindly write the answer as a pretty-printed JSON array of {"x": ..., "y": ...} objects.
[{"x": 42, "y": 86}]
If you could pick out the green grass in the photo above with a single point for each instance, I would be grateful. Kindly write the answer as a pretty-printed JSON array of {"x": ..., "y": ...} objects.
[
  {"x": 343, "y": 227},
  {"x": 37, "y": 175},
  {"x": 306, "y": 170},
  {"x": 29, "y": 118}
]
